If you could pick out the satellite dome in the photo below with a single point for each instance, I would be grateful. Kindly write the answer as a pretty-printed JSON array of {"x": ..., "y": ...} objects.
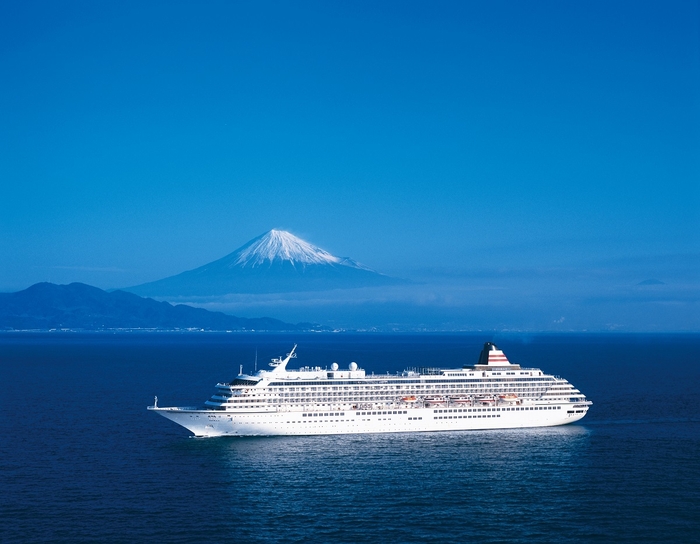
[
  {"x": 334, "y": 366},
  {"x": 353, "y": 366}
]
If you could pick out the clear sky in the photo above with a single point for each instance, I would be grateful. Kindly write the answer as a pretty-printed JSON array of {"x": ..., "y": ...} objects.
[{"x": 141, "y": 139}]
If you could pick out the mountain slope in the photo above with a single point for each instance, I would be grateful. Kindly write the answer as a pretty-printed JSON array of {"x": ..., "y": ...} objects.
[
  {"x": 275, "y": 262},
  {"x": 80, "y": 306}
]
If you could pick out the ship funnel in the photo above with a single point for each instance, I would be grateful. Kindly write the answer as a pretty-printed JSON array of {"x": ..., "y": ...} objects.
[
  {"x": 484, "y": 356},
  {"x": 491, "y": 355}
]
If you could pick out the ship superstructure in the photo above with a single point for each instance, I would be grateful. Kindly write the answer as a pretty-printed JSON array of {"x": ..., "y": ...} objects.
[{"x": 492, "y": 394}]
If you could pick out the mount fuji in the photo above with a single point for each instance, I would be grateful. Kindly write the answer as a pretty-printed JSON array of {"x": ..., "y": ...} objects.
[{"x": 275, "y": 262}]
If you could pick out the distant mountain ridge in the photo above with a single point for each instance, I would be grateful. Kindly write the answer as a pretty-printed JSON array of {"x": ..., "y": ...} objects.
[
  {"x": 275, "y": 262},
  {"x": 45, "y": 306},
  {"x": 651, "y": 281}
]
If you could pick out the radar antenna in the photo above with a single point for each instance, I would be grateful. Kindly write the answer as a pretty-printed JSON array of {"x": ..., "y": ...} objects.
[{"x": 278, "y": 362}]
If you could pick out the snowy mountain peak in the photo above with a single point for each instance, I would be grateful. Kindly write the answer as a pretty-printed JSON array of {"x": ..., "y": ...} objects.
[
  {"x": 275, "y": 262},
  {"x": 282, "y": 246}
]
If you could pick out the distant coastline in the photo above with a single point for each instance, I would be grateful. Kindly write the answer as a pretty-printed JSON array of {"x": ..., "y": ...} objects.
[{"x": 46, "y": 307}]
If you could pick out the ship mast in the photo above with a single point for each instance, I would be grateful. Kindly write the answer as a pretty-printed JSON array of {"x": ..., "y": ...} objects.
[{"x": 278, "y": 364}]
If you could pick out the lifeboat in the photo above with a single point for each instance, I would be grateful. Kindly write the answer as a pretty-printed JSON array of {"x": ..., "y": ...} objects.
[
  {"x": 509, "y": 397},
  {"x": 410, "y": 398},
  {"x": 434, "y": 400},
  {"x": 460, "y": 400}
]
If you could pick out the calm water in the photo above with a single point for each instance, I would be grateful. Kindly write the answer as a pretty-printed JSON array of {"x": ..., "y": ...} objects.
[{"x": 81, "y": 460}]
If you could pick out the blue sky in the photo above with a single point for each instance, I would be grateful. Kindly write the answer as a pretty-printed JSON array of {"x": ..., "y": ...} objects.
[{"x": 141, "y": 139}]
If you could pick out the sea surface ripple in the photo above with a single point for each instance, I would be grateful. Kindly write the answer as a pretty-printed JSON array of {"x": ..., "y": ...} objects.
[{"x": 81, "y": 460}]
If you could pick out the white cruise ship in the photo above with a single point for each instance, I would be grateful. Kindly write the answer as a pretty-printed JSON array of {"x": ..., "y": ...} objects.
[{"x": 492, "y": 394}]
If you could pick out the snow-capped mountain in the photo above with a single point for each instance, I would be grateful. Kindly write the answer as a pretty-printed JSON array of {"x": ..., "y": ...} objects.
[
  {"x": 280, "y": 245},
  {"x": 274, "y": 262}
]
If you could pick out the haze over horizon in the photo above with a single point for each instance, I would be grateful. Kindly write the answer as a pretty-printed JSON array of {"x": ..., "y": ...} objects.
[{"x": 528, "y": 165}]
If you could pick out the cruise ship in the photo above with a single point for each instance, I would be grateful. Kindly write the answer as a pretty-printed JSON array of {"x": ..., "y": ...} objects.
[{"x": 492, "y": 394}]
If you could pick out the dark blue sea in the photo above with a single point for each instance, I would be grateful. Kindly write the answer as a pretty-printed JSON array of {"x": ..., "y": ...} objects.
[{"x": 81, "y": 460}]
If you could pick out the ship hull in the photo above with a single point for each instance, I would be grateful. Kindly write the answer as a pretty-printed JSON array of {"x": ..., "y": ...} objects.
[{"x": 211, "y": 423}]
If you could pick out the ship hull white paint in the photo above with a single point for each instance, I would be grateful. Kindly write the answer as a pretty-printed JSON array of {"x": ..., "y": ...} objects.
[{"x": 208, "y": 423}]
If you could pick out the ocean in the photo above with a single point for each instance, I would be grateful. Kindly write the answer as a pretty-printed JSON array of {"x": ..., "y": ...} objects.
[{"x": 81, "y": 460}]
